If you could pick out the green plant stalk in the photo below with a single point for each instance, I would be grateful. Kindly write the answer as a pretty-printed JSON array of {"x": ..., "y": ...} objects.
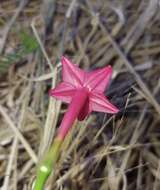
[{"x": 46, "y": 165}]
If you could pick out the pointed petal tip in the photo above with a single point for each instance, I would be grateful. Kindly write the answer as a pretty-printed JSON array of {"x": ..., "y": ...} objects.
[
  {"x": 50, "y": 92},
  {"x": 63, "y": 59},
  {"x": 112, "y": 110},
  {"x": 109, "y": 68},
  {"x": 116, "y": 110}
]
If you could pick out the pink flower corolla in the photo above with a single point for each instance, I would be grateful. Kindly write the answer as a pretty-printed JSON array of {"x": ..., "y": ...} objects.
[{"x": 83, "y": 91}]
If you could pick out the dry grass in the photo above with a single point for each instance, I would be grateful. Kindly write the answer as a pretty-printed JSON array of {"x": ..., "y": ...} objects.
[{"x": 103, "y": 152}]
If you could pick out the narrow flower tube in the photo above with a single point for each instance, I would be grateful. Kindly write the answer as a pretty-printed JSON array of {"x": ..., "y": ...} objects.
[{"x": 75, "y": 107}]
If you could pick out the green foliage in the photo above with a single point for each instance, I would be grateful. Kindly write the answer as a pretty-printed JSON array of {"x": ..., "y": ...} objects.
[{"x": 28, "y": 44}]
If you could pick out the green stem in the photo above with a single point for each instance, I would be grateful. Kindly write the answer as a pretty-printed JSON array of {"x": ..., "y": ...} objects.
[{"x": 46, "y": 165}]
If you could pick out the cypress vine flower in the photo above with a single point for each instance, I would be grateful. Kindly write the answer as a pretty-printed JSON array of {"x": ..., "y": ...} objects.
[{"x": 83, "y": 91}]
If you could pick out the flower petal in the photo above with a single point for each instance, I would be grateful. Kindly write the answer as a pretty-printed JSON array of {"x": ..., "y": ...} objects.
[
  {"x": 71, "y": 73},
  {"x": 98, "y": 102},
  {"x": 98, "y": 79},
  {"x": 63, "y": 91}
]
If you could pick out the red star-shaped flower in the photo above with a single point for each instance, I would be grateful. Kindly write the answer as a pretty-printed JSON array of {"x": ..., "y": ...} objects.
[
  {"x": 93, "y": 83},
  {"x": 84, "y": 93}
]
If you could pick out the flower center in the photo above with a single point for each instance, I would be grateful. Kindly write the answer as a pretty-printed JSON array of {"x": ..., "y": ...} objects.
[{"x": 87, "y": 88}]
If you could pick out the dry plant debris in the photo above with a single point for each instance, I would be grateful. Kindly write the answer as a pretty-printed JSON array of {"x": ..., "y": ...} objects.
[{"x": 103, "y": 152}]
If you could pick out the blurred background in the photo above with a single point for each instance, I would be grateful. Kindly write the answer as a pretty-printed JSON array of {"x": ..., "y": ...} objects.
[{"x": 104, "y": 152}]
